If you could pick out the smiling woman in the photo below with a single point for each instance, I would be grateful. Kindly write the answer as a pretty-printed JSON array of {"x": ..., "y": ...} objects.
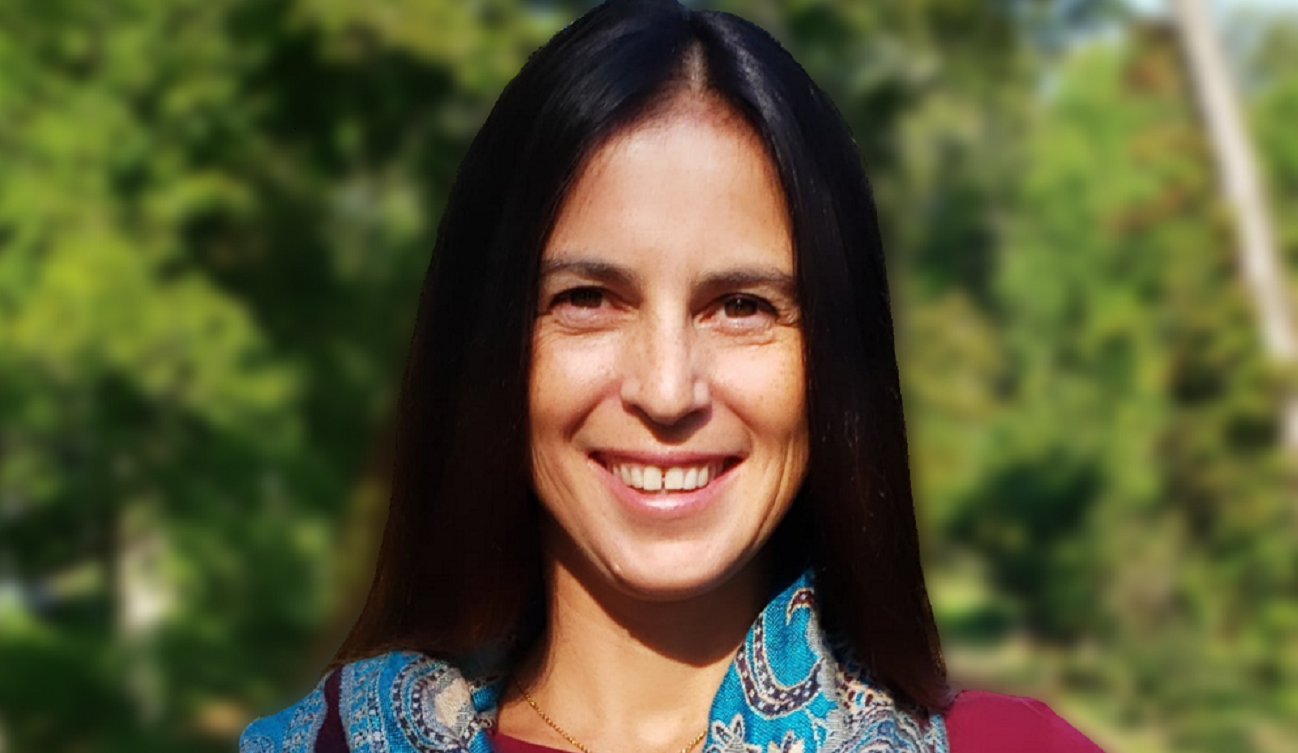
[
  {"x": 667, "y": 415},
  {"x": 651, "y": 487}
]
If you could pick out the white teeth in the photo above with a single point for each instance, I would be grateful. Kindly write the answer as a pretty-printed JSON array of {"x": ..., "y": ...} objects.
[{"x": 651, "y": 478}]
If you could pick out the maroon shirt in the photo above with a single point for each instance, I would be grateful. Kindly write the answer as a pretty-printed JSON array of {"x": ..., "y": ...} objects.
[{"x": 978, "y": 722}]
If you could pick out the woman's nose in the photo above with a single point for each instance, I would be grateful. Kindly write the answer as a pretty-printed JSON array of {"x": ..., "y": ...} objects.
[{"x": 664, "y": 378}]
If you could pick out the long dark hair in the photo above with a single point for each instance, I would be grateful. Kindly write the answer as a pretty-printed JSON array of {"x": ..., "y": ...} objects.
[{"x": 459, "y": 566}]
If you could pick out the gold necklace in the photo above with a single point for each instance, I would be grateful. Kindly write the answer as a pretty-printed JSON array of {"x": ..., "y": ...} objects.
[{"x": 572, "y": 740}]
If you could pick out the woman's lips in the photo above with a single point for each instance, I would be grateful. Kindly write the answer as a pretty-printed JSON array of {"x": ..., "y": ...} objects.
[
  {"x": 664, "y": 485},
  {"x": 671, "y": 478}
]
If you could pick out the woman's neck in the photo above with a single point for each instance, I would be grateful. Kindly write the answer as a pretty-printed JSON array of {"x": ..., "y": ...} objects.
[{"x": 622, "y": 674}]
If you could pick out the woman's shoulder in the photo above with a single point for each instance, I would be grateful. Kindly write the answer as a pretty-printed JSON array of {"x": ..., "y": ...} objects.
[
  {"x": 348, "y": 701},
  {"x": 981, "y": 722}
]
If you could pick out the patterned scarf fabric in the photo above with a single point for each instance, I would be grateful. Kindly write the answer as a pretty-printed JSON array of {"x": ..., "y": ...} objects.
[{"x": 789, "y": 690}]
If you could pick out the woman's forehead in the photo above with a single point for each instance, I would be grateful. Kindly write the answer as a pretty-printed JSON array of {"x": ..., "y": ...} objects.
[{"x": 694, "y": 184}]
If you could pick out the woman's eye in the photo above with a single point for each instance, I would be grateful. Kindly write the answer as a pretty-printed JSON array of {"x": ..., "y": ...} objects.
[
  {"x": 584, "y": 307},
  {"x": 582, "y": 298},
  {"x": 739, "y": 307}
]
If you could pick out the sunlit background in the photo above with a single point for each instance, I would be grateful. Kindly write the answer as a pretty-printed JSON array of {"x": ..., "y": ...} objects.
[{"x": 214, "y": 218}]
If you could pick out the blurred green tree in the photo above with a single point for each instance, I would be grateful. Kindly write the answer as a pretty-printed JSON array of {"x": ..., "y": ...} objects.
[
  {"x": 215, "y": 217},
  {"x": 1134, "y": 487}
]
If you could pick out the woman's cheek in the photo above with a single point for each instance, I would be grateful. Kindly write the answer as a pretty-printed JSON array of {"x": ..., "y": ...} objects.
[
  {"x": 572, "y": 371},
  {"x": 763, "y": 383}
]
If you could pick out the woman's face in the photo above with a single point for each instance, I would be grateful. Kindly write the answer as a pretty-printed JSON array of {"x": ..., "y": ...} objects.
[{"x": 668, "y": 428}]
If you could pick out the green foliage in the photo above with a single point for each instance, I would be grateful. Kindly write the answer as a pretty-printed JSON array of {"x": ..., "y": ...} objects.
[
  {"x": 1134, "y": 488},
  {"x": 215, "y": 217}
]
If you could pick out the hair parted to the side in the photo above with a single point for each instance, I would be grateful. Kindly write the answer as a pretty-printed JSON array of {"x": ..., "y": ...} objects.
[{"x": 459, "y": 566}]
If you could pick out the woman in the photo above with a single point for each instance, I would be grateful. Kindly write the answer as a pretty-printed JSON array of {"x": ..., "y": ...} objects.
[{"x": 662, "y": 252}]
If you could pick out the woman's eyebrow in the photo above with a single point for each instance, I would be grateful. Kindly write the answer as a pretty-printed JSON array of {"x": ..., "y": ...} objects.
[
  {"x": 614, "y": 274},
  {"x": 757, "y": 277},
  {"x": 599, "y": 271}
]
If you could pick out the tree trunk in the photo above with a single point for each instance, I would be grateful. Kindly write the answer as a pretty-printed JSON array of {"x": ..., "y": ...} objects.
[{"x": 1259, "y": 259}]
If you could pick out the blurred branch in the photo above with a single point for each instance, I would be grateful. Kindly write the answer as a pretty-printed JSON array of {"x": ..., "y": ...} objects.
[{"x": 1259, "y": 256}]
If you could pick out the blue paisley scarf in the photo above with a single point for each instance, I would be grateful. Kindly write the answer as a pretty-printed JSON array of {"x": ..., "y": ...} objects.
[{"x": 789, "y": 690}]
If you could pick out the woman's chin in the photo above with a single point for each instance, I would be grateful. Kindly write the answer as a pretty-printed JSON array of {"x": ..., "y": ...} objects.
[{"x": 664, "y": 581}]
